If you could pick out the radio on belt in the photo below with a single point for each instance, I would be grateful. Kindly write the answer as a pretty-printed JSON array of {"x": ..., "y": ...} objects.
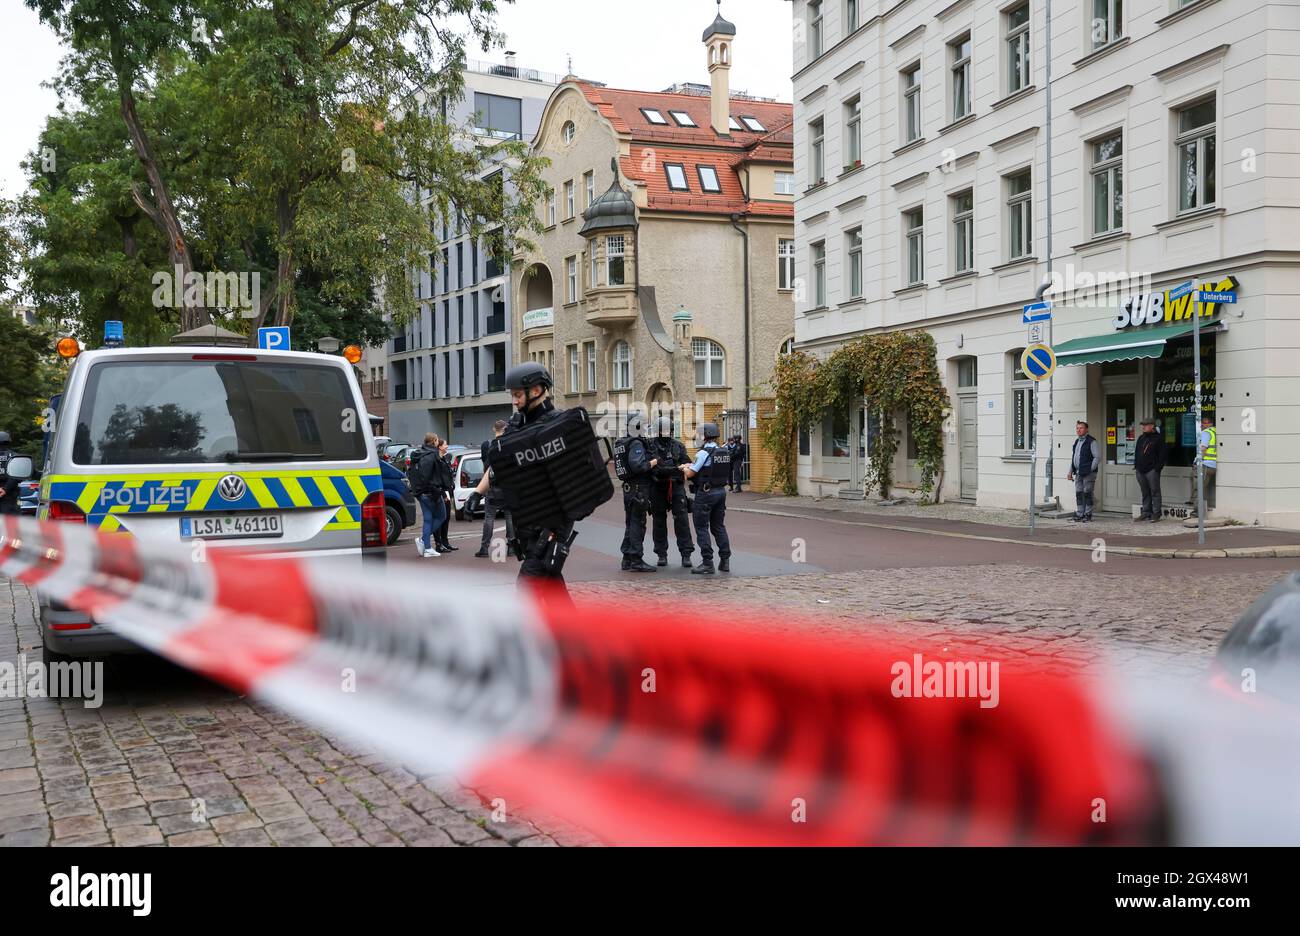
[{"x": 553, "y": 472}]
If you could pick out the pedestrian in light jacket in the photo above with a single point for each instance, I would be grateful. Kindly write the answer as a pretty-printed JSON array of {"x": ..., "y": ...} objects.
[
  {"x": 1149, "y": 459},
  {"x": 1084, "y": 464}
]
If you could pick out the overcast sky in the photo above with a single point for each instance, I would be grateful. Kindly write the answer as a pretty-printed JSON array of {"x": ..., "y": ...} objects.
[{"x": 647, "y": 46}]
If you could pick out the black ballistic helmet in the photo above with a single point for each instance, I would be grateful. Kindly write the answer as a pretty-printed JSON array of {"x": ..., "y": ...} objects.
[
  {"x": 665, "y": 426},
  {"x": 636, "y": 422},
  {"x": 709, "y": 430},
  {"x": 526, "y": 375},
  {"x": 4, "y": 438}
]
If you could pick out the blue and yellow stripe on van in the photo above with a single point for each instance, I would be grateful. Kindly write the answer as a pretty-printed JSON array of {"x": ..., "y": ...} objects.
[{"x": 103, "y": 497}]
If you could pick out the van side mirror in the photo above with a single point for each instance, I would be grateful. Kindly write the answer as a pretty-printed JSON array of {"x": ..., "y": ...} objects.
[{"x": 19, "y": 468}]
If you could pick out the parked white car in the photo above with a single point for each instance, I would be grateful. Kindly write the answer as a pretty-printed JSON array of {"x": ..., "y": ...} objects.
[{"x": 468, "y": 473}]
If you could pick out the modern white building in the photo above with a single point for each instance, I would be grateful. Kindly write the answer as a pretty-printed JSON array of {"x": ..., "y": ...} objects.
[
  {"x": 922, "y": 148},
  {"x": 447, "y": 365}
]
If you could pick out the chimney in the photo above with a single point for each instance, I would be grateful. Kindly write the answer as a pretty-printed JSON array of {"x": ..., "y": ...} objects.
[{"x": 718, "y": 41}]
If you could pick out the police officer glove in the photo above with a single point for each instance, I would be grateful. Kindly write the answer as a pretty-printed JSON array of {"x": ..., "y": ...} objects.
[{"x": 472, "y": 503}]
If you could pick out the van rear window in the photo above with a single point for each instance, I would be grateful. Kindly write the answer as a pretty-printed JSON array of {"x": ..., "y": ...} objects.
[{"x": 217, "y": 412}]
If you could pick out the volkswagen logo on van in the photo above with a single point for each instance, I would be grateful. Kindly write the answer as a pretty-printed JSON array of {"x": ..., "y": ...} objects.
[{"x": 232, "y": 487}]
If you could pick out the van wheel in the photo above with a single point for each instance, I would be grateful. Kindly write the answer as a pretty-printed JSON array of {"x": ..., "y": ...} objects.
[{"x": 393, "y": 517}]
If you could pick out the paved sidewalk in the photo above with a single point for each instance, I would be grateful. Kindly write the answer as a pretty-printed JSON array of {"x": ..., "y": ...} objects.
[
  {"x": 1167, "y": 539},
  {"x": 170, "y": 759}
]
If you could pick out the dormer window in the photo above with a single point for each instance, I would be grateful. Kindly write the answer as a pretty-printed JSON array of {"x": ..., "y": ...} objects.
[
  {"x": 709, "y": 179},
  {"x": 676, "y": 177},
  {"x": 683, "y": 119},
  {"x": 654, "y": 116},
  {"x": 753, "y": 124}
]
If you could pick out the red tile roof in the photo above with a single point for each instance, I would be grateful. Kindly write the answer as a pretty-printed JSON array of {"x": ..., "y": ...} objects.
[{"x": 654, "y": 145}]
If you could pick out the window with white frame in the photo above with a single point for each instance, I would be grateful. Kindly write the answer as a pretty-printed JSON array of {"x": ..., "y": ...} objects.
[
  {"x": 851, "y": 18},
  {"x": 709, "y": 179},
  {"x": 654, "y": 117},
  {"x": 683, "y": 119},
  {"x": 1107, "y": 183},
  {"x": 959, "y": 56},
  {"x": 787, "y": 347},
  {"x": 853, "y": 253},
  {"x": 912, "y": 103},
  {"x": 571, "y": 279},
  {"x": 710, "y": 370},
  {"x": 1019, "y": 75},
  {"x": 589, "y": 183},
  {"x": 591, "y": 365},
  {"x": 817, "y": 132},
  {"x": 573, "y": 369},
  {"x": 784, "y": 184},
  {"x": 853, "y": 132},
  {"x": 1195, "y": 148},
  {"x": 550, "y": 211},
  {"x": 622, "y": 366},
  {"x": 614, "y": 247},
  {"x": 785, "y": 263},
  {"x": 569, "y": 132},
  {"x": 568, "y": 200},
  {"x": 1021, "y": 427},
  {"x": 1020, "y": 214},
  {"x": 676, "y": 173},
  {"x": 814, "y": 29},
  {"x": 1107, "y": 22},
  {"x": 753, "y": 123},
  {"x": 914, "y": 235},
  {"x": 819, "y": 274},
  {"x": 733, "y": 125},
  {"x": 963, "y": 231},
  {"x": 593, "y": 264}
]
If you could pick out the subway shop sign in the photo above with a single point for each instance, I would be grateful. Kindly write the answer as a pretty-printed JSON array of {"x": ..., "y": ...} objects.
[{"x": 1157, "y": 308}]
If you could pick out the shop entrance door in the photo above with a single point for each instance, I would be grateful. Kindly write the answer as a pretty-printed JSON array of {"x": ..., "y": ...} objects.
[{"x": 1118, "y": 489}]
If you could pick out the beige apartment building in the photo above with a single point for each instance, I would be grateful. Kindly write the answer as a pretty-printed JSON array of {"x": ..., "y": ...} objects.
[
  {"x": 922, "y": 166},
  {"x": 665, "y": 269}
]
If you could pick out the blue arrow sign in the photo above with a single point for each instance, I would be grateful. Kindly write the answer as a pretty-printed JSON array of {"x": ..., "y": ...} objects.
[
  {"x": 1038, "y": 312},
  {"x": 1217, "y": 297},
  {"x": 1179, "y": 291}
]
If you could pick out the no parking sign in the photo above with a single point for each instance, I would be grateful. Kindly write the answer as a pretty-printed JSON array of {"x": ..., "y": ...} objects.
[{"x": 1038, "y": 362}]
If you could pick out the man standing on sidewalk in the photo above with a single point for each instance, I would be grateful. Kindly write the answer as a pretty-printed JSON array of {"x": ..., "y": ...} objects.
[
  {"x": 1209, "y": 449},
  {"x": 494, "y": 504},
  {"x": 1148, "y": 461},
  {"x": 1083, "y": 471}
]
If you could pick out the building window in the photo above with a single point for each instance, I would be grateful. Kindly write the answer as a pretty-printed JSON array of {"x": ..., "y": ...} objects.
[
  {"x": 1019, "y": 76},
  {"x": 968, "y": 373},
  {"x": 819, "y": 274},
  {"x": 497, "y": 116},
  {"x": 732, "y": 124},
  {"x": 683, "y": 119},
  {"x": 591, "y": 365},
  {"x": 754, "y": 124},
  {"x": 550, "y": 211},
  {"x": 850, "y": 16},
  {"x": 1107, "y": 22},
  {"x": 571, "y": 279},
  {"x": 785, "y": 263},
  {"x": 853, "y": 133},
  {"x": 709, "y": 363},
  {"x": 622, "y": 366},
  {"x": 914, "y": 233},
  {"x": 589, "y": 184},
  {"x": 591, "y": 272},
  {"x": 959, "y": 55},
  {"x": 1195, "y": 149},
  {"x": 614, "y": 245},
  {"x": 1020, "y": 214},
  {"x": 676, "y": 173},
  {"x": 569, "y": 132},
  {"x": 963, "y": 232},
  {"x": 1022, "y": 406},
  {"x": 1108, "y": 184},
  {"x": 654, "y": 117},
  {"x": 784, "y": 183},
  {"x": 853, "y": 250},
  {"x": 787, "y": 347},
  {"x": 818, "y": 132},
  {"x": 709, "y": 179},
  {"x": 574, "y": 386},
  {"x": 568, "y": 200},
  {"x": 912, "y": 103},
  {"x": 814, "y": 29}
]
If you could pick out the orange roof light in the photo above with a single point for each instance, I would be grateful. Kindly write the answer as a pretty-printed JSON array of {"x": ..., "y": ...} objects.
[
  {"x": 68, "y": 348},
  {"x": 352, "y": 353}
]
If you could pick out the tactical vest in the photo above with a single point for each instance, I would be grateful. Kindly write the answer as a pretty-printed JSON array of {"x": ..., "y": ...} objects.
[
  {"x": 622, "y": 451},
  {"x": 717, "y": 470}
]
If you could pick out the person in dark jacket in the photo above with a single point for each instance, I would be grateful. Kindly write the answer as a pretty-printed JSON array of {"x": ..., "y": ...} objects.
[
  {"x": 8, "y": 485},
  {"x": 739, "y": 450},
  {"x": 494, "y": 504},
  {"x": 1084, "y": 463},
  {"x": 426, "y": 482},
  {"x": 1149, "y": 459},
  {"x": 448, "y": 483}
]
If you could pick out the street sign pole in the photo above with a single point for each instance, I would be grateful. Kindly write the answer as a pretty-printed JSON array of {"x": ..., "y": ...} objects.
[
  {"x": 1196, "y": 381},
  {"x": 1038, "y": 363},
  {"x": 1033, "y": 450}
]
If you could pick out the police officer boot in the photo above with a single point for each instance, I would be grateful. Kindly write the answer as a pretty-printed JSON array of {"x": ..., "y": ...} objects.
[
  {"x": 686, "y": 561},
  {"x": 640, "y": 565},
  {"x": 627, "y": 564},
  {"x": 663, "y": 560},
  {"x": 724, "y": 564},
  {"x": 704, "y": 568}
]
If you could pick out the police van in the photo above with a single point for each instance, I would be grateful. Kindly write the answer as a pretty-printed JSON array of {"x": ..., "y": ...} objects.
[{"x": 268, "y": 451}]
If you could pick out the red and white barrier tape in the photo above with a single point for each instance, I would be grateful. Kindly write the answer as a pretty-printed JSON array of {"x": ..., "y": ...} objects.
[{"x": 644, "y": 729}]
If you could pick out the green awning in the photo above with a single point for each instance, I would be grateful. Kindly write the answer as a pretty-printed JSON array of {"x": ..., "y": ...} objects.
[{"x": 1129, "y": 345}]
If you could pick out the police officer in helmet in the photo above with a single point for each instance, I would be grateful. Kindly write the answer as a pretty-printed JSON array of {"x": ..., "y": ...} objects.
[
  {"x": 634, "y": 464},
  {"x": 711, "y": 471},
  {"x": 8, "y": 485},
  {"x": 670, "y": 495}
]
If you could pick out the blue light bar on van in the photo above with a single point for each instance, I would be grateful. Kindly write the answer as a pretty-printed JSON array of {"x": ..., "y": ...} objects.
[{"x": 114, "y": 335}]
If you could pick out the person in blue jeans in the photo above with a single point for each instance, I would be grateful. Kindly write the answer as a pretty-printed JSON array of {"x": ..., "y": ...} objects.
[{"x": 424, "y": 475}]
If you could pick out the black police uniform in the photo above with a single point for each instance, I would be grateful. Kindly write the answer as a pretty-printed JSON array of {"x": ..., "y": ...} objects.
[
  {"x": 530, "y": 543},
  {"x": 632, "y": 457},
  {"x": 670, "y": 495},
  {"x": 738, "y": 452},
  {"x": 711, "y": 504},
  {"x": 8, "y": 485}
]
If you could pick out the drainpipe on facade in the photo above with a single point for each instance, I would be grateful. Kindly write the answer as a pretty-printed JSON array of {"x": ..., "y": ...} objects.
[
  {"x": 1051, "y": 381},
  {"x": 735, "y": 223}
]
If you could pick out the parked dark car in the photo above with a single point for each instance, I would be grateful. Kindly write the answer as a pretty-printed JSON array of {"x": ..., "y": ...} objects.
[{"x": 399, "y": 502}]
